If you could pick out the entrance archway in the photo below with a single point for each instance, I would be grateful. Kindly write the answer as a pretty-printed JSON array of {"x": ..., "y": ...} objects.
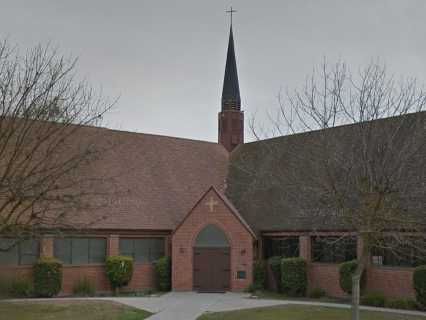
[{"x": 211, "y": 260}]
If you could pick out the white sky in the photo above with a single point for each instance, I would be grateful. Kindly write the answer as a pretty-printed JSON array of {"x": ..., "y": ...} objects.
[{"x": 166, "y": 58}]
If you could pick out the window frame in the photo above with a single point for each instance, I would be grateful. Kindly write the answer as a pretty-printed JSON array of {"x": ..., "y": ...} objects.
[
  {"x": 20, "y": 252},
  {"x": 136, "y": 238},
  {"x": 70, "y": 238},
  {"x": 315, "y": 258},
  {"x": 268, "y": 252},
  {"x": 410, "y": 261}
]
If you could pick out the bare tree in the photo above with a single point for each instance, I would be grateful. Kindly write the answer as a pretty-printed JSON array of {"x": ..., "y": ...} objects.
[
  {"x": 364, "y": 167},
  {"x": 44, "y": 114}
]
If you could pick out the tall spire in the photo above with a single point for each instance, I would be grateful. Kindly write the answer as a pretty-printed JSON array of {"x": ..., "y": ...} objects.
[
  {"x": 231, "y": 118},
  {"x": 231, "y": 90}
]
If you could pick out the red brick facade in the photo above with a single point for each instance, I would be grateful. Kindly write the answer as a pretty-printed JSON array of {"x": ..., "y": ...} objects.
[
  {"x": 392, "y": 281},
  {"x": 239, "y": 238}
]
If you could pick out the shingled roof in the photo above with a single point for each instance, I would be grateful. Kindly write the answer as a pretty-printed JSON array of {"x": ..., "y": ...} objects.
[
  {"x": 155, "y": 179},
  {"x": 257, "y": 167}
]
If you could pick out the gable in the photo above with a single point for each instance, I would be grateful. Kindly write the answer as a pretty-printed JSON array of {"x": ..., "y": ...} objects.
[{"x": 214, "y": 207}]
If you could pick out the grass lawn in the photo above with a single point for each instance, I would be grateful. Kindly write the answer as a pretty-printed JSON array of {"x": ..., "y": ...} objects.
[
  {"x": 297, "y": 312},
  {"x": 70, "y": 310}
]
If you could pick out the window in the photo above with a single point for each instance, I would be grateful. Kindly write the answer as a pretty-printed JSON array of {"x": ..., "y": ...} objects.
[
  {"x": 142, "y": 249},
  {"x": 411, "y": 254},
  {"x": 333, "y": 249},
  {"x": 283, "y": 247},
  {"x": 80, "y": 250},
  {"x": 211, "y": 237},
  {"x": 22, "y": 253}
]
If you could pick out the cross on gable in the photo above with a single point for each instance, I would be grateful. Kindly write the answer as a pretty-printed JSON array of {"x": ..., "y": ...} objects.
[{"x": 211, "y": 204}]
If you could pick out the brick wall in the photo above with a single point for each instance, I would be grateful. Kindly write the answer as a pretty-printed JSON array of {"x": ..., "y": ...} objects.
[
  {"x": 325, "y": 276},
  {"x": 240, "y": 240},
  {"x": 392, "y": 281}
]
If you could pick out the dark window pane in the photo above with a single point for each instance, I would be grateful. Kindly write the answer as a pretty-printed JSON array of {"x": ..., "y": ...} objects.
[
  {"x": 333, "y": 249},
  {"x": 156, "y": 249},
  {"x": 80, "y": 251},
  {"x": 403, "y": 252},
  {"x": 62, "y": 249},
  {"x": 11, "y": 255},
  {"x": 211, "y": 236},
  {"x": 29, "y": 251},
  {"x": 126, "y": 247},
  {"x": 142, "y": 247},
  {"x": 97, "y": 250},
  {"x": 287, "y": 247}
]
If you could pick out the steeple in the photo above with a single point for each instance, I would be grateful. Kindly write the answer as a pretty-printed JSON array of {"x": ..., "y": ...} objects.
[
  {"x": 231, "y": 90},
  {"x": 231, "y": 118}
]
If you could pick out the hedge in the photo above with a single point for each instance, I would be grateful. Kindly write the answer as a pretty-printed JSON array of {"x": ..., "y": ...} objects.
[
  {"x": 294, "y": 278},
  {"x": 47, "y": 275},
  {"x": 419, "y": 283},
  {"x": 119, "y": 270},
  {"x": 259, "y": 275},
  {"x": 162, "y": 274},
  {"x": 346, "y": 271}
]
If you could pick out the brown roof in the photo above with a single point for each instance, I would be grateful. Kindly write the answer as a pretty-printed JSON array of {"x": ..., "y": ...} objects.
[
  {"x": 155, "y": 179},
  {"x": 258, "y": 181}
]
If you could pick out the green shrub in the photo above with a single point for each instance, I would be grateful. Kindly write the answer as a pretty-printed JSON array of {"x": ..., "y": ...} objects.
[
  {"x": 16, "y": 287},
  {"x": 259, "y": 275},
  {"x": 20, "y": 288},
  {"x": 84, "y": 287},
  {"x": 374, "y": 299},
  {"x": 402, "y": 303},
  {"x": 419, "y": 282},
  {"x": 119, "y": 270},
  {"x": 294, "y": 277},
  {"x": 346, "y": 271},
  {"x": 162, "y": 274},
  {"x": 316, "y": 293},
  {"x": 275, "y": 265},
  {"x": 47, "y": 275}
]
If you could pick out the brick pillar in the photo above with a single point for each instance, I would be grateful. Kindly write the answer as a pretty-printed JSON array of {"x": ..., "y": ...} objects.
[
  {"x": 46, "y": 247},
  {"x": 167, "y": 244},
  {"x": 113, "y": 245},
  {"x": 305, "y": 247}
]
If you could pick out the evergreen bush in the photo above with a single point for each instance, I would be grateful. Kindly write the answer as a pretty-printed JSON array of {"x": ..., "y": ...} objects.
[
  {"x": 419, "y": 282},
  {"x": 259, "y": 275},
  {"x": 294, "y": 278},
  {"x": 163, "y": 274},
  {"x": 47, "y": 275},
  {"x": 119, "y": 270}
]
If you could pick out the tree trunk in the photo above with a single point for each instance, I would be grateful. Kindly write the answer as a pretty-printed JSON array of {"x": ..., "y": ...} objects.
[
  {"x": 356, "y": 282},
  {"x": 356, "y": 288}
]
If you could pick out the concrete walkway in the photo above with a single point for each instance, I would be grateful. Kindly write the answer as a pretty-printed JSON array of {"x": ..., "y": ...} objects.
[{"x": 190, "y": 305}]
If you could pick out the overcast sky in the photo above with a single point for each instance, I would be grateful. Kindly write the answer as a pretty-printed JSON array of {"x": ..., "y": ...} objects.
[{"x": 165, "y": 59}]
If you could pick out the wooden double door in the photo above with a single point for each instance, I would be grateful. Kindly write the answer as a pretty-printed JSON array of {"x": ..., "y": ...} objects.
[{"x": 212, "y": 269}]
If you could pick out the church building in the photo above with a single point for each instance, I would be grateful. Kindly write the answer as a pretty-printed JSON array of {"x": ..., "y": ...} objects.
[{"x": 186, "y": 199}]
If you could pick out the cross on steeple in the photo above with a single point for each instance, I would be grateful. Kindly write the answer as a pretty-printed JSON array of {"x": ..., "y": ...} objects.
[{"x": 231, "y": 11}]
